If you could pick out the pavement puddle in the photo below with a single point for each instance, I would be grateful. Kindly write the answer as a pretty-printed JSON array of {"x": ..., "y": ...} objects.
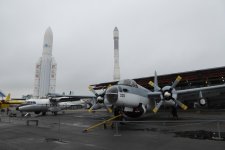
[
  {"x": 56, "y": 140},
  {"x": 76, "y": 125},
  {"x": 202, "y": 135}
]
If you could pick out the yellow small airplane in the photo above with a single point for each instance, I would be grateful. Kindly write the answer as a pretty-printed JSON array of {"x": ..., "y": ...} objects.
[{"x": 5, "y": 103}]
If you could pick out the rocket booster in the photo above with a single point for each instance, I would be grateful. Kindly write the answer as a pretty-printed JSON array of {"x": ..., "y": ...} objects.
[{"x": 116, "y": 75}]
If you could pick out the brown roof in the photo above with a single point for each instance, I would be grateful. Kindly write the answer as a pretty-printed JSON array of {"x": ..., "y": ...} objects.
[{"x": 192, "y": 78}]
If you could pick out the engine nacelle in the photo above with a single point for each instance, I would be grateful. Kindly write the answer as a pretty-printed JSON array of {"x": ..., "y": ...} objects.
[{"x": 202, "y": 102}]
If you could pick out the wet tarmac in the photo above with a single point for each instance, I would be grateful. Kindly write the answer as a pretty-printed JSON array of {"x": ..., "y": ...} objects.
[{"x": 193, "y": 130}]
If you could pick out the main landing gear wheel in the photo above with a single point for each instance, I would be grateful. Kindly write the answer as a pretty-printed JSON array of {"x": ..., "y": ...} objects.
[{"x": 174, "y": 112}]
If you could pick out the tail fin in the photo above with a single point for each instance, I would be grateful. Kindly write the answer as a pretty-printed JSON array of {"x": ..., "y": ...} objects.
[{"x": 8, "y": 97}]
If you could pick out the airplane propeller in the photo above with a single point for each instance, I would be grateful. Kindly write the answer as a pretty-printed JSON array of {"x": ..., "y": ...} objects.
[
  {"x": 100, "y": 99},
  {"x": 166, "y": 93}
]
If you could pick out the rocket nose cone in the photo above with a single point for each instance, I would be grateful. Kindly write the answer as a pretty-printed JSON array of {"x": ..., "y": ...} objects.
[
  {"x": 115, "y": 29},
  {"x": 48, "y": 41},
  {"x": 48, "y": 31},
  {"x": 48, "y": 37}
]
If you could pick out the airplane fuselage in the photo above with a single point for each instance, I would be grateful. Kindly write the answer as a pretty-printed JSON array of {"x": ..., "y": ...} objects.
[
  {"x": 132, "y": 101},
  {"x": 45, "y": 105},
  {"x": 35, "y": 105}
]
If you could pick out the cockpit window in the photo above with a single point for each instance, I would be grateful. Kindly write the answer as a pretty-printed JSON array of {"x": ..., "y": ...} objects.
[
  {"x": 120, "y": 89},
  {"x": 125, "y": 90},
  {"x": 31, "y": 102},
  {"x": 128, "y": 82}
]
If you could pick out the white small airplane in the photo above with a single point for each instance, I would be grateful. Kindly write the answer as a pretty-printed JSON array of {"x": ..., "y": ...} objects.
[
  {"x": 53, "y": 104},
  {"x": 132, "y": 100}
]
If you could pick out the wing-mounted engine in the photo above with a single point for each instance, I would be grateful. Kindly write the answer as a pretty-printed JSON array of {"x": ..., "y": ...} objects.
[
  {"x": 100, "y": 100},
  {"x": 135, "y": 112},
  {"x": 202, "y": 101},
  {"x": 54, "y": 107},
  {"x": 167, "y": 94}
]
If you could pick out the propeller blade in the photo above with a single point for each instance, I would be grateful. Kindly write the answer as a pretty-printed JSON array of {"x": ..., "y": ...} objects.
[
  {"x": 108, "y": 108},
  {"x": 176, "y": 81},
  {"x": 95, "y": 107},
  {"x": 183, "y": 106},
  {"x": 90, "y": 110},
  {"x": 92, "y": 107},
  {"x": 93, "y": 91},
  {"x": 156, "y": 87},
  {"x": 157, "y": 106},
  {"x": 103, "y": 93},
  {"x": 109, "y": 86}
]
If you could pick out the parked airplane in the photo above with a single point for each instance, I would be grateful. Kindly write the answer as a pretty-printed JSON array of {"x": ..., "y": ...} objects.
[
  {"x": 52, "y": 104},
  {"x": 5, "y": 103},
  {"x": 133, "y": 100}
]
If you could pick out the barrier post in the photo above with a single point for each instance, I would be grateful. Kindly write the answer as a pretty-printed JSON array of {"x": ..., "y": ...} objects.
[
  {"x": 218, "y": 129},
  {"x": 59, "y": 132},
  {"x": 117, "y": 130}
]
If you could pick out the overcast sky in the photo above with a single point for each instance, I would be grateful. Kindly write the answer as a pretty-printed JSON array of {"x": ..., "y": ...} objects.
[{"x": 165, "y": 35}]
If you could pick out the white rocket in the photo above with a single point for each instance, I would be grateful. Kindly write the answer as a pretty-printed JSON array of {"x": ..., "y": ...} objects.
[
  {"x": 116, "y": 75},
  {"x": 45, "y": 71}
]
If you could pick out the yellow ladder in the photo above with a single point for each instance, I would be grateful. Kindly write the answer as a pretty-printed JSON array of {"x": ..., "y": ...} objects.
[{"x": 103, "y": 122}]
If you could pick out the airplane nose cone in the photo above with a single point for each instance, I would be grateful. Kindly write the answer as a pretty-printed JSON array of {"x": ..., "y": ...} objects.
[
  {"x": 167, "y": 94},
  {"x": 112, "y": 95},
  {"x": 19, "y": 108},
  {"x": 23, "y": 108}
]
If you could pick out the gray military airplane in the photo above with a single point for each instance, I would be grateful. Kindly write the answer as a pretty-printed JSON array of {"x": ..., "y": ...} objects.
[{"x": 133, "y": 100}]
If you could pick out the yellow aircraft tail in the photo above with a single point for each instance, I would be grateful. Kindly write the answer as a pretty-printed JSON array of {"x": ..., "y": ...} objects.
[{"x": 8, "y": 97}]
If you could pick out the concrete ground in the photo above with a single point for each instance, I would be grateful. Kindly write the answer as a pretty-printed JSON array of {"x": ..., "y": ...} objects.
[{"x": 65, "y": 131}]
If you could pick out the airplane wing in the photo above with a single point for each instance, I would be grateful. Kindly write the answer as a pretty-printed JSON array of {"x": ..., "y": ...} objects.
[
  {"x": 67, "y": 98},
  {"x": 206, "y": 91},
  {"x": 193, "y": 91},
  {"x": 154, "y": 95},
  {"x": 170, "y": 93}
]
